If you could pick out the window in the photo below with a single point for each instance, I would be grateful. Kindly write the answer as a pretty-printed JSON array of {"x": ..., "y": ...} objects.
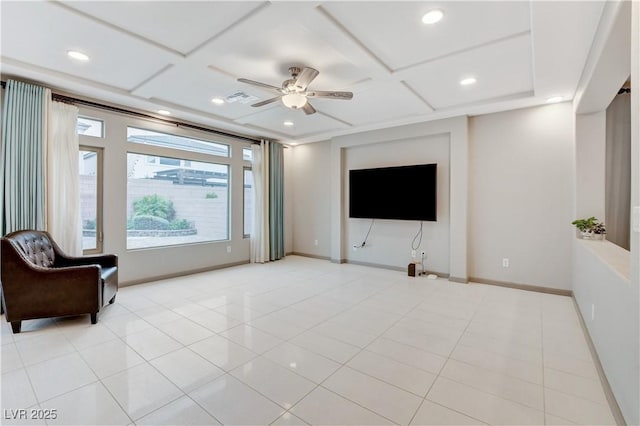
[
  {"x": 170, "y": 205},
  {"x": 148, "y": 137},
  {"x": 248, "y": 202},
  {"x": 90, "y": 127},
  {"x": 247, "y": 155},
  {"x": 90, "y": 167}
]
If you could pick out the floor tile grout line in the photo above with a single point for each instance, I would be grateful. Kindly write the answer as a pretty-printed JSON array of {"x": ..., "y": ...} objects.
[
  {"x": 341, "y": 365},
  {"x": 448, "y": 358},
  {"x": 347, "y": 307},
  {"x": 360, "y": 351}
]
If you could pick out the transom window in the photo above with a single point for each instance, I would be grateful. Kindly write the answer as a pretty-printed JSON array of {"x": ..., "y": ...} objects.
[{"x": 164, "y": 140}]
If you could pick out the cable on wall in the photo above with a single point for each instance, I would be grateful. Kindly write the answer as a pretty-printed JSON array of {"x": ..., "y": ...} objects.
[
  {"x": 366, "y": 237},
  {"x": 415, "y": 246}
]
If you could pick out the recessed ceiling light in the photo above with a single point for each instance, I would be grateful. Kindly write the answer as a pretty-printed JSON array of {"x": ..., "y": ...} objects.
[
  {"x": 164, "y": 112},
  {"x": 432, "y": 16},
  {"x": 217, "y": 101},
  {"x": 554, "y": 99},
  {"x": 77, "y": 55},
  {"x": 467, "y": 81},
  {"x": 288, "y": 123}
]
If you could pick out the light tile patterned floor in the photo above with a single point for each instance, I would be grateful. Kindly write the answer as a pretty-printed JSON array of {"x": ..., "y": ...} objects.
[{"x": 306, "y": 341}]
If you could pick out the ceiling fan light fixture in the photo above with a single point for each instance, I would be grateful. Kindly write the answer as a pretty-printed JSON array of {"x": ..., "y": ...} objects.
[
  {"x": 432, "y": 16},
  {"x": 294, "y": 100}
]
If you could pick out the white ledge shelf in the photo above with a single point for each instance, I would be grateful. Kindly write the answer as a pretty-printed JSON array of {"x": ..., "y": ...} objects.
[{"x": 614, "y": 256}]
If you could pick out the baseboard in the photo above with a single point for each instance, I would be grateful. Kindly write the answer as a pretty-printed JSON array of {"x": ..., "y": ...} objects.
[
  {"x": 376, "y": 265},
  {"x": 611, "y": 399},
  {"x": 313, "y": 256},
  {"x": 338, "y": 261},
  {"x": 526, "y": 287},
  {"x": 458, "y": 280},
  {"x": 181, "y": 274}
]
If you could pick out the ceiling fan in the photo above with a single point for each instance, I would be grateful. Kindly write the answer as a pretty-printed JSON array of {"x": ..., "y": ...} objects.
[{"x": 294, "y": 93}]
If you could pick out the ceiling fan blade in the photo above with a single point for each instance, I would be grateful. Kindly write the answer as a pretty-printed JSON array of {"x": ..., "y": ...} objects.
[
  {"x": 266, "y": 102},
  {"x": 308, "y": 109},
  {"x": 330, "y": 95},
  {"x": 257, "y": 83},
  {"x": 305, "y": 77}
]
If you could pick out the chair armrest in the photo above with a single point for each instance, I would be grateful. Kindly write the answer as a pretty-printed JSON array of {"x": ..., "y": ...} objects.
[{"x": 104, "y": 260}]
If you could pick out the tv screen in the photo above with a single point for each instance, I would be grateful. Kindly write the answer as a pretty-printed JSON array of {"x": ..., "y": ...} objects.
[{"x": 403, "y": 193}]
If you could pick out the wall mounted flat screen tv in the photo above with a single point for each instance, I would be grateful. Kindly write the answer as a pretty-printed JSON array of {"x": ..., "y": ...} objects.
[{"x": 403, "y": 193}]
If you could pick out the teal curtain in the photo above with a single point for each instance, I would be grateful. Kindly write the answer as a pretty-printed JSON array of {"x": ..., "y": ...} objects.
[
  {"x": 276, "y": 201},
  {"x": 22, "y": 168}
]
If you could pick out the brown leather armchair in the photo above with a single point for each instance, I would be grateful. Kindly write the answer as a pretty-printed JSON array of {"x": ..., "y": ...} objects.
[{"x": 40, "y": 281}]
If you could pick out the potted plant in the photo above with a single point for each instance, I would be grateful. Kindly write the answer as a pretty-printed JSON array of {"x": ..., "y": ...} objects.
[
  {"x": 599, "y": 231},
  {"x": 589, "y": 228}
]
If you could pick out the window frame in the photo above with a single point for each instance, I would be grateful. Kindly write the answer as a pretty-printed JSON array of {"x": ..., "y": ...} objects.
[
  {"x": 244, "y": 201},
  {"x": 183, "y": 155},
  {"x": 99, "y": 197},
  {"x": 102, "y": 127}
]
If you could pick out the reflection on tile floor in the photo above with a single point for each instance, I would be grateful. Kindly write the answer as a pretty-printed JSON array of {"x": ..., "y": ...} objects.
[{"x": 305, "y": 341}]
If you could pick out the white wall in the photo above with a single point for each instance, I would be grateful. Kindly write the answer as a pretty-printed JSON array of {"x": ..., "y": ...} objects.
[
  {"x": 521, "y": 172},
  {"x": 312, "y": 202},
  {"x": 137, "y": 265},
  {"x": 390, "y": 241},
  {"x": 456, "y": 130},
  {"x": 615, "y": 329},
  {"x": 521, "y": 196},
  {"x": 602, "y": 290},
  {"x": 591, "y": 164}
]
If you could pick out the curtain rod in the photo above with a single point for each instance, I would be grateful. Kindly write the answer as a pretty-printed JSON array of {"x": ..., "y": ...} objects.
[{"x": 69, "y": 99}]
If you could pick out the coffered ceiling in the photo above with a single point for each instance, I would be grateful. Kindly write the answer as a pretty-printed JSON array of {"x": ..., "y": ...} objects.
[{"x": 179, "y": 55}]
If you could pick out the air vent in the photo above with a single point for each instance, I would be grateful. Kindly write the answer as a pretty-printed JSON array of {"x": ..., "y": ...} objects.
[{"x": 241, "y": 98}]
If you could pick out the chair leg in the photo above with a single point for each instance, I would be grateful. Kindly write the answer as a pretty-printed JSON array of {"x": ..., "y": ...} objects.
[
  {"x": 94, "y": 318},
  {"x": 15, "y": 326},
  {"x": 113, "y": 299}
]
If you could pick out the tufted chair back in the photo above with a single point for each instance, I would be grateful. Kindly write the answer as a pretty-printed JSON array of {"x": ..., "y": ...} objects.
[{"x": 35, "y": 246}]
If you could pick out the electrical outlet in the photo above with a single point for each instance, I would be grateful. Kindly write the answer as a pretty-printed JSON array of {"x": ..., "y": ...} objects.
[
  {"x": 413, "y": 253},
  {"x": 505, "y": 262},
  {"x": 315, "y": 242},
  {"x": 593, "y": 312},
  {"x": 228, "y": 249}
]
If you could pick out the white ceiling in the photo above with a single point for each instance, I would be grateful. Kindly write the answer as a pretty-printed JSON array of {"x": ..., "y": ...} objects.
[{"x": 179, "y": 55}]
